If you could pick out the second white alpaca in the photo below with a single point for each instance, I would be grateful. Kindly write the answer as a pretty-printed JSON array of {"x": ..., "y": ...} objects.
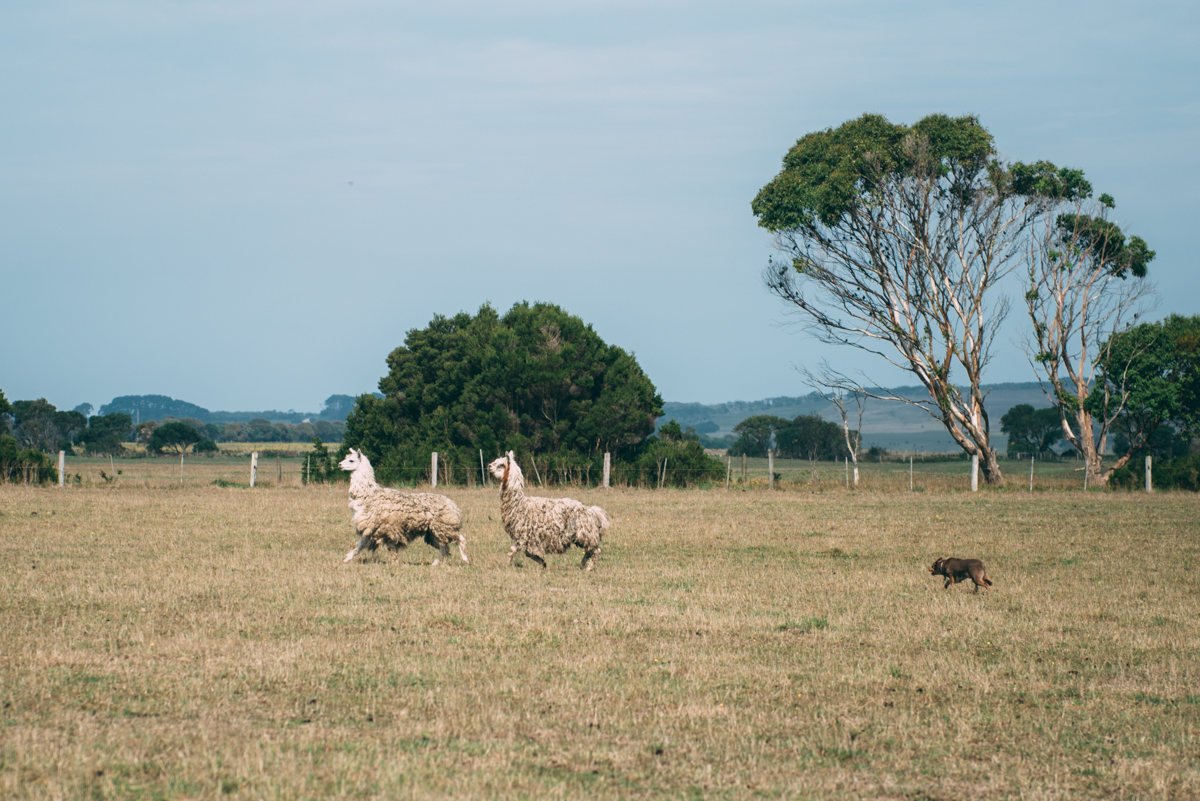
[
  {"x": 539, "y": 526},
  {"x": 389, "y": 517}
]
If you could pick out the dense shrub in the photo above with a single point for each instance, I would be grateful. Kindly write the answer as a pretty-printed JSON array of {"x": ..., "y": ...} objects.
[{"x": 1182, "y": 473}]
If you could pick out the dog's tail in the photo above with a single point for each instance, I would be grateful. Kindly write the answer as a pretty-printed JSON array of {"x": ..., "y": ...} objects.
[{"x": 987, "y": 581}]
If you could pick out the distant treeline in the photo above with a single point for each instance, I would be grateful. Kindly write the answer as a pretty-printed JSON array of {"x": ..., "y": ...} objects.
[
  {"x": 696, "y": 415},
  {"x": 145, "y": 408}
]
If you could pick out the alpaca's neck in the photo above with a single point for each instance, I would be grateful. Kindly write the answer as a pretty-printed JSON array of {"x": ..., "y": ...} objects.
[
  {"x": 513, "y": 494},
  {"x": 362, "y": 480}
]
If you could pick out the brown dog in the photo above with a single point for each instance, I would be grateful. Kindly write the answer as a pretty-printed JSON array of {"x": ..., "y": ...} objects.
[{"x": 956, "y": 570}]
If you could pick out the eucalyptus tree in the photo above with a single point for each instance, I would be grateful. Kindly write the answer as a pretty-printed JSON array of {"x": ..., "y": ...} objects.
[
  {"x": 897, "y": 239},
  {"x": 1085, "y": 286}
]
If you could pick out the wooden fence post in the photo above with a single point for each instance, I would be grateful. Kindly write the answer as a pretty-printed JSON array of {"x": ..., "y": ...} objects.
[
  {"x": 308, "y": 468},
  {"x": 181, "y": 468},
  {"x": 253, "y": 467},
  {"x": 607, "y": 468},
  {"x": 743, "y": 467},
  {"x": 1149, "y": 488},
  {"x": 910, "y": 472},
  {"x": 975, "y": 472},
  {"x": 770, "y": 469},
  {"x": 433, "y": 468},
  {"x": 62, "y": 468},
  {"x": 728, "y": 469},
  {"x": 482, "y": 469},
  {"x": 1031, "y": 473},
  {"x": 279, "y": 466}
]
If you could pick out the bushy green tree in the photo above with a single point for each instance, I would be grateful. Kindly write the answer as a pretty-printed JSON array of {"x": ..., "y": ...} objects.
[
  {"x": 106, "y": 432},
  {"x": 176, "y": 436},
  {"x": 1154, "y": 369},
  {"x": 538, "y": 381},
  {"x": 320, "y": 466},
  {"x": 5, "y": 412},
  {"x": 674, "y": 457},
  {"x": 1031, "y": 430},
  {"x": 756, "y": 435}
]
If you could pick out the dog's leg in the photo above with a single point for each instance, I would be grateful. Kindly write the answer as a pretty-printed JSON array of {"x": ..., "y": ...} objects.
[
  {"x": 949, "y": 581},
  {"x": 354, "y": 551}
]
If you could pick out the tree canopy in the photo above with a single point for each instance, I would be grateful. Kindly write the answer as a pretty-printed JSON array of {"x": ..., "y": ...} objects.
[
  {"x": 1031, "y": 430},
  {"x": 536, "y": 380},
  {"x": 176, "y": 436}
]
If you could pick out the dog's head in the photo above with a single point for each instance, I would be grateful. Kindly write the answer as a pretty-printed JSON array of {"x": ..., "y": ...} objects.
[{"x": 936, "y": 568}]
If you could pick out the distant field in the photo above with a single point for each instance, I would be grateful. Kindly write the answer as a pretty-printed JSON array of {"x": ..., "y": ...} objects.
[{"x": 201, "y": 642}]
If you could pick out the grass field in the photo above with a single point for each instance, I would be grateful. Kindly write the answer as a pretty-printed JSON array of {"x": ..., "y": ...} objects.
[{"x": 198, "y": 641}]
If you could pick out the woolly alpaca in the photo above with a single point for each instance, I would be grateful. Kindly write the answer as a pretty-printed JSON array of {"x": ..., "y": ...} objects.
[
  {"x": 539, "y": 526},
  {"x": 389, "y": 517}
]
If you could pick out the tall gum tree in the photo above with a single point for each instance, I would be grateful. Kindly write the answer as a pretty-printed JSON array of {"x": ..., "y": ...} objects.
[
  {"x": 1084, "y": 287},
  {"x": 898, "y": 239}
]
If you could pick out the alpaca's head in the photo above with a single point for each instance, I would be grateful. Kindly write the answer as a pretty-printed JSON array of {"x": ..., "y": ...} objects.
[
  {"x": 353, "y": 460},
  {"x": 506, "y": 469}
]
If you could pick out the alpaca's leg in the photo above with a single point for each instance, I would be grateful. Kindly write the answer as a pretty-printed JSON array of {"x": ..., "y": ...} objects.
[
  {"x": 512, "y": 553},
  {"x": 589, "y": 559},
  {"x": 462, "y": 548},
  {"x": 537, "y": 559},
  {"x": 443, "y": 553},
  {"x": 354, "y": 551}
]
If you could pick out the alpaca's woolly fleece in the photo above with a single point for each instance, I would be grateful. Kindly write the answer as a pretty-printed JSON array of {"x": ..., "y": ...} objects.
[
  {"x": 540, "y": 526},
  {"x": 389, "y": 517}
]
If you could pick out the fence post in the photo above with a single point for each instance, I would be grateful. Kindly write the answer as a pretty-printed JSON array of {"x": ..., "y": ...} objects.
[
  {"x": 975, "y": 472},
  {"x": 1031, "y": 473},
  {"x": 181, "y": 468},
  {"x": 433, "y": 465},
  {"x": 728, "y": 469},
  {"x": 253, "y": 467},
  {"x": 1148, "y": 486},
  {"x": 62, "y": 468},
  {"x": 607, "y": 466},
  {"x": 910, "y": 472},
  {"x": 482, "y": 469},
  {"x": 279, "y": 466},
  {"x": 847, "y": 472},
  {"x": 308, "y": 468},
  {"x": 770, "y": 469},
  {"x": 743, "y": 467}
]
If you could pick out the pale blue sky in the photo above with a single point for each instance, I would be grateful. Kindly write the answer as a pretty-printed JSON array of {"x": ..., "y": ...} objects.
[{"x": 247, "y": 204}]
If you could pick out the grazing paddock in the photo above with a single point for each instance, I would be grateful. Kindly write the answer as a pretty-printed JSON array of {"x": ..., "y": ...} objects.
[{"x": 200, "y": 642}]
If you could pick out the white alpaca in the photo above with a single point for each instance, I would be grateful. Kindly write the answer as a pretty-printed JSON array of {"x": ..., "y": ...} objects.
[
  {"x": 539, "y": 526},
  {"x": 389, "y": 517}
]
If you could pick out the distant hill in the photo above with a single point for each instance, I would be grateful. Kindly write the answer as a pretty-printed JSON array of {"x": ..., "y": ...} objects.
[
  {"x": 156, "y": 407},
  {"x": 892, "y": 425}
]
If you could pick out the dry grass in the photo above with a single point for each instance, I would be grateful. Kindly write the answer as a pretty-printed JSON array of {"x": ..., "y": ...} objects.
[{"x": 199, "y": 642}]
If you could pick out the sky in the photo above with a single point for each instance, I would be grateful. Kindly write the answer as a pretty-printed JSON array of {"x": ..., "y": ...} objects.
[{"x": 247, "y": 205}]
